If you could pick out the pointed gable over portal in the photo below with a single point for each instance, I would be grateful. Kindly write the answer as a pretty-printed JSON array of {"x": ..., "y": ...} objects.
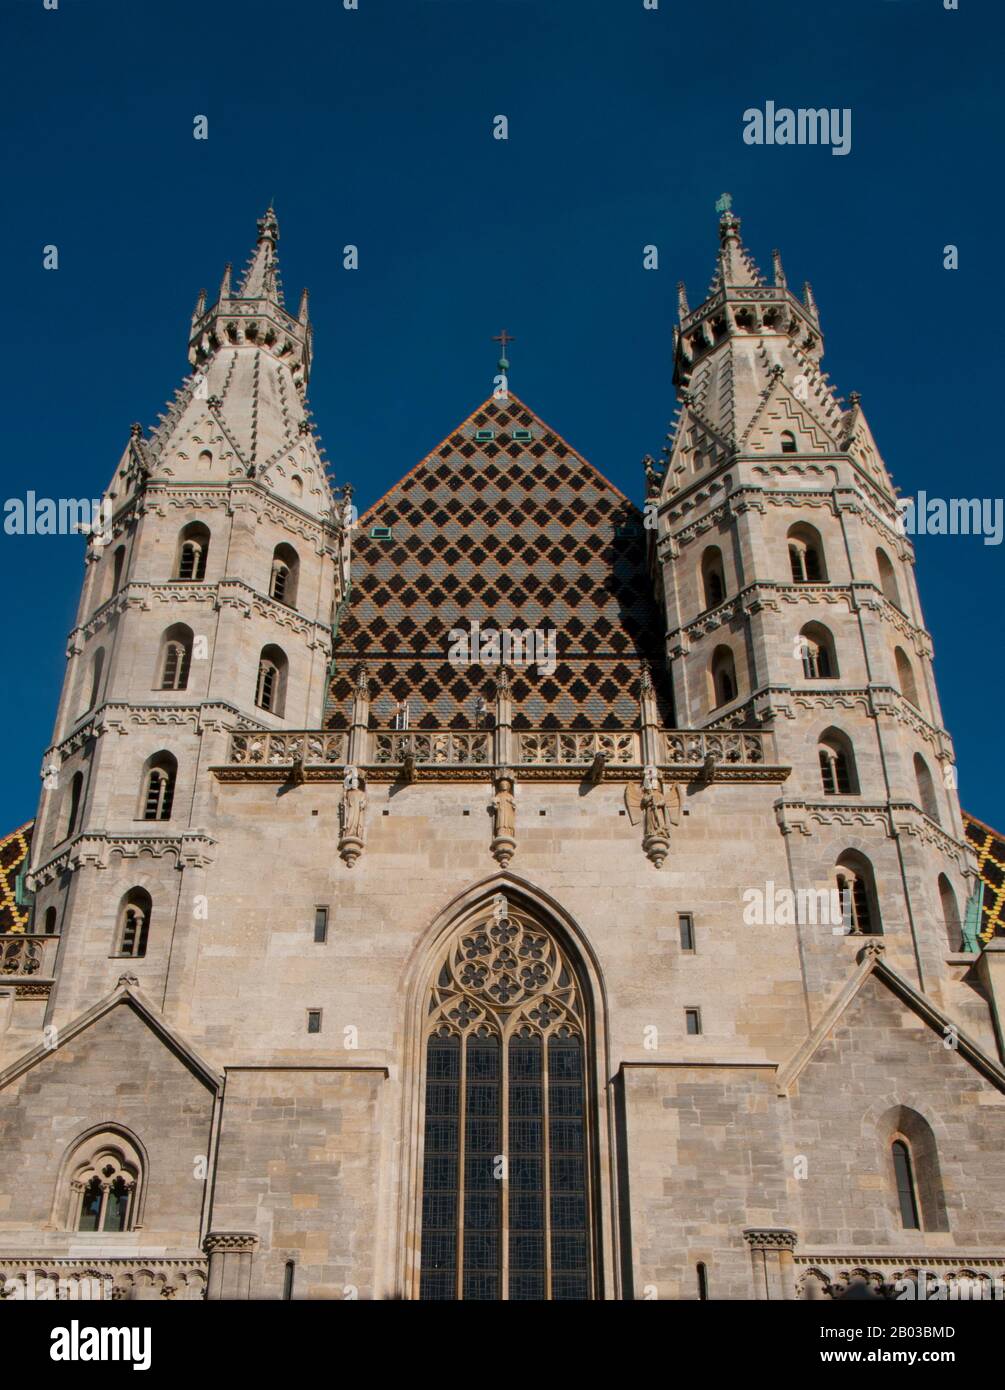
[{"x": 503, "y": 524}]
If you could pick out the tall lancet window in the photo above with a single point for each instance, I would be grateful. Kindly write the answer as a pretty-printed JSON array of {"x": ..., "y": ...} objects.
[{"x": 506, "y": 1196}]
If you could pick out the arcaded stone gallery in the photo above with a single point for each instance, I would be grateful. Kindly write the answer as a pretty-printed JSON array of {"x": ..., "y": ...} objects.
[{"x": 513, "y": 891}]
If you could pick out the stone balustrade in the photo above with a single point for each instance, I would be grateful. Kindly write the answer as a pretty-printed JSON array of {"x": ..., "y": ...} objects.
[
  {"x": 447, "y": 748},
  {"x": 690, "y": 748},
  {"x": 432, "y": 747},
  {"x": 265, "y": 749},
  {"x": 558, "y": 748}
]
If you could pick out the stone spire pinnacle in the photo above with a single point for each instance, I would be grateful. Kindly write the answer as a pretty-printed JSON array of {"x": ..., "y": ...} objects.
[
  {"x": 735, "y": 266},
  {"x": 261, "y": 278}
]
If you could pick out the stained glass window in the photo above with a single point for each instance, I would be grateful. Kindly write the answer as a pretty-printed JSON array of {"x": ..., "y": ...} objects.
[{"x": 506, "y": 1181}]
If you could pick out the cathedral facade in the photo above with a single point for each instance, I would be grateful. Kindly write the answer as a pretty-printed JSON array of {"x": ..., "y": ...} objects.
[{"x": 510, "y": 892}]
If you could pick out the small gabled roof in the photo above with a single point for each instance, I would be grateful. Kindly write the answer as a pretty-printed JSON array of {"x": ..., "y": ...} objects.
[
  {"x": 127, "y": 994},
  {"x": 871, "y": 962}
]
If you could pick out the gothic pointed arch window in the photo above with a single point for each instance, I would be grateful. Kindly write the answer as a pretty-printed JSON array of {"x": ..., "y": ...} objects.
[
  {"x": 506, "y": 1189},
  {"x": 105, "y": 1175}
]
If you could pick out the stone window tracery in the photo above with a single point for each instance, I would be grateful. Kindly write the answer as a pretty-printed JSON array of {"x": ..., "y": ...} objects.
[
  {"x": 104, "y": 1184},
  {"x": 506, "y": 1188}
]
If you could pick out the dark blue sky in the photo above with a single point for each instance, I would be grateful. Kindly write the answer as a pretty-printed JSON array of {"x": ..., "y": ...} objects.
[{"x": 375, "y": 127}]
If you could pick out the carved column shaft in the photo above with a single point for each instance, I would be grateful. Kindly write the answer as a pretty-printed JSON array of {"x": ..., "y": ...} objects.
[{"x": 230, "y": 1261}]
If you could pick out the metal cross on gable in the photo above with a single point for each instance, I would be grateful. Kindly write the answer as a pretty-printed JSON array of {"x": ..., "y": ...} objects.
[{"x": 503, "y": 338}]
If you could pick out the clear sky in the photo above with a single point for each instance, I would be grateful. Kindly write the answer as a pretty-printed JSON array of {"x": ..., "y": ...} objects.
[{"x": 374, "y": 127}]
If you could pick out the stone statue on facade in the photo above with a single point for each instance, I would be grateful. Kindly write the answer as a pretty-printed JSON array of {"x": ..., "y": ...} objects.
[
  {"x": 352, "y": 817},
  {"x": 504, "y": 821}
]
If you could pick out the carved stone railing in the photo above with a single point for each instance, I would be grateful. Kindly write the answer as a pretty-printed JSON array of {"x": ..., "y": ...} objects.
[
  {"x": 432, "y": 747},
  {"x": 24, "y": 956},
  {"x": 901, "y": 1277},
  {"x": 103, "y": 1277},
  {"x": 726, "y": 746},
  {"x": 279, "y": 748},
  {"x": 557, "y": 749}
]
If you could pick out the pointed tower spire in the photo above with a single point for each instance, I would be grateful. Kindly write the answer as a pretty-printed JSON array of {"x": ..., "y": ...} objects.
[
  {"x": 682, "y": 309},
  {"x": 776, "y": 261},
  {"x": 200, "y": 307},
  {"x": 261, "y": 279},
  {"x": 304, "y": 306},
  {"x": 224, "y": 292},
  {"x": 735, "y": 265}
]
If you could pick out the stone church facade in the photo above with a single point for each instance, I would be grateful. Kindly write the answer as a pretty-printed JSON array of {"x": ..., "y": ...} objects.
[{"x": 509, "y": 892}]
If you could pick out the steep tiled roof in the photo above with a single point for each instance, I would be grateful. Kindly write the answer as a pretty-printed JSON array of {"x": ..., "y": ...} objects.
[
  {"x": 990, "y": 847},
  {"x": 514, "y": 534},
  {"x": 13, "y": 858}
]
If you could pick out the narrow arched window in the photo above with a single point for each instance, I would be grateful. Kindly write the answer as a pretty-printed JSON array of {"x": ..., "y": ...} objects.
[
  {"x": 837, "y": 764},
  {"x": 816, "y": 648},
  {"x": 788, "y": 442},
  {"x": 50, "y": 921},
  {"x": 806, "y": 554},
  {"x": 270, "y": 690},
  {"x": 284, "y": 576},
  {"x": 158, "y": 787},
  {"x": 297, "y": 485},
  {"x": 950, "y": 914},
  {"x": 506, "y": 1052},
  {"x": 713, "y": 577},
  {"x": 857, "y": 890},
  {"x": 118, "y": 566},
  {"x": 910, "y": 1156},
  {"x": 887, "y": 577},
  {"x": 926, "y": 788},
  {"x": 722, "y": 674},
  {"x": 134, "y": 923},
  {"x": 73, "y": 807},
  {"x": 97, "y": 667},
  {"x": 176, "y": 657},
  {"x": 193, "y": 552},
  {"x": 907, "y": 1195},
  {"x": 905, "y": 676}
]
